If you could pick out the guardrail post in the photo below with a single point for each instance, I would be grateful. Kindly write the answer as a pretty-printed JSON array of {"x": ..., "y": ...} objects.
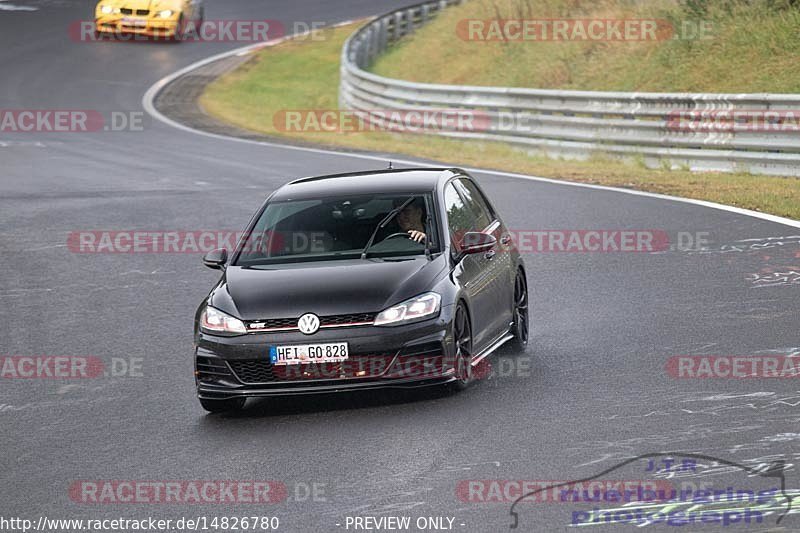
[
  {"x": 383, "y": 34},
  {"x": 369, "y": 53},
  {"x": 398, "y": 25},
  {"x": 361, "y": 54}
]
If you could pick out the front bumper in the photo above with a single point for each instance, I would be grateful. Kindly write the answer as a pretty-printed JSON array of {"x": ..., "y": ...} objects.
[
  {"x": 414, "y": 355},
  {"x": 150, "y": 27}
]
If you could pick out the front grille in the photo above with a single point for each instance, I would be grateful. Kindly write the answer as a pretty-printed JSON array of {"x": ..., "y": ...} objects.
[
  {"x": 255, "y": 371},
  {"x": 338, "y": 320},
  {"x": 211, "y": 369},
  {"x": 274, "y": 323},
  {"x": 252, "y": 372},
  {"x": 290, "y": 324},
  {"x": 129, "y": 11}
]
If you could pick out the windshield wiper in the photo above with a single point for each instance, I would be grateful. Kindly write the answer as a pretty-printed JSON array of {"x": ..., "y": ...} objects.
[{"x": 382, "y": 224}]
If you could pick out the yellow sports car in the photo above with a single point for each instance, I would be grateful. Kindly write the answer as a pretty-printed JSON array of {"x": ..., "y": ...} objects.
[{"x": 153, "y": 18}]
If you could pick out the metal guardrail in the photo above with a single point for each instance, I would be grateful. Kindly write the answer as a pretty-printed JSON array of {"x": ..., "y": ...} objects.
[{"x": 659, "y": 128}]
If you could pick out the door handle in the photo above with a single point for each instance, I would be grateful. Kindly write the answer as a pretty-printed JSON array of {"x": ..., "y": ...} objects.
[{"x": 490, "y": 254}]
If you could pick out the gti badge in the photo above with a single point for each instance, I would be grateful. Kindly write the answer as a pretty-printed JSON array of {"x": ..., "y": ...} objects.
[{"x": 308, "y": 324}]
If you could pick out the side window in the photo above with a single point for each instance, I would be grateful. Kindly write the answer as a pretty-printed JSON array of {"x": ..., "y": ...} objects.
[
  {"x": 476, "y": 203},
  {"x": 459, "y": 218}
]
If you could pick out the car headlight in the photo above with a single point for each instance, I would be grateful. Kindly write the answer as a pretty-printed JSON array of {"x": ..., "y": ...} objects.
[
  {"x": 166, "y": 13},
  {"x": 420, "y": 307},
  {"x": 216, "y": 321},
  {"x": 106, "y": 10}
]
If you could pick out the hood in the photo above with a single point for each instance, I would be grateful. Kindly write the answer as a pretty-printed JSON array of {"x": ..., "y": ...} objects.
[{"x": 323, "y": 288}]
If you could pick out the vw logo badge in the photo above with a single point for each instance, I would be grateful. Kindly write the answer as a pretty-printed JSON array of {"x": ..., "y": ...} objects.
[{"x": 308, "y": 324}]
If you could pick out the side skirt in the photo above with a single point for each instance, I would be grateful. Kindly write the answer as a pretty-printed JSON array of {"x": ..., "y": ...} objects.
[{"x": 504, "y": 338}]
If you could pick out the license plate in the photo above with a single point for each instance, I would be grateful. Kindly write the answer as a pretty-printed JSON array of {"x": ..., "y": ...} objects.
[
  {"x": 333, "y": 352},
  {"x": 134, "y": 22}
]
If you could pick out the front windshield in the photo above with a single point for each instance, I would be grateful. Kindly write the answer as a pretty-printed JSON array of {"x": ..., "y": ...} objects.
[{"x": 336, "y": 228}]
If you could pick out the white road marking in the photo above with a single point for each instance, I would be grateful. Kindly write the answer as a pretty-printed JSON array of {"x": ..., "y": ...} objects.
[
  {"x": 9, "y": 144},
  {"x": 13, "y": 7}
]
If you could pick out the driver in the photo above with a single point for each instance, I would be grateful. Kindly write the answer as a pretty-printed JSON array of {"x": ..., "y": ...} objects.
[{"x": 410, "y": 221}]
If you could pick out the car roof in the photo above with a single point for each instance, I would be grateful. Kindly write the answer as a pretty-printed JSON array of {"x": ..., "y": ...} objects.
[{"x": 368, "y": 182}]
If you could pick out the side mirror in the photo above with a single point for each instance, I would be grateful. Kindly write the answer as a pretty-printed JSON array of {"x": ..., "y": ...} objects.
[
  {"x": 475, "y": 242},
  {"x": 216, "y": 259}
]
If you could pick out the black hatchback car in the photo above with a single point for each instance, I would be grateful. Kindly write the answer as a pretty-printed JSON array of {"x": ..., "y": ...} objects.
[{"x": 394, "y": 278}]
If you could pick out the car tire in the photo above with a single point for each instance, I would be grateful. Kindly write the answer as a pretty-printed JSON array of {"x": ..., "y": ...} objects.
[
  {"x": 223, "y": 406},
  {"x": 200, "y": 19},
  {"x": 462, "y": 340},
  {"x": 520, "y": 326}
]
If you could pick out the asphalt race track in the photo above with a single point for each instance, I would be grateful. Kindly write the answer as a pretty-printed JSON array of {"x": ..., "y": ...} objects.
[{"x": 604, "y": 324}]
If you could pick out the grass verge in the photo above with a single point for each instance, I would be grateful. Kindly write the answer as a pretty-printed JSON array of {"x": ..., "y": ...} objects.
[
  {"x": 721, "y": 46},
  {"x": 304, "y": 75}
]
